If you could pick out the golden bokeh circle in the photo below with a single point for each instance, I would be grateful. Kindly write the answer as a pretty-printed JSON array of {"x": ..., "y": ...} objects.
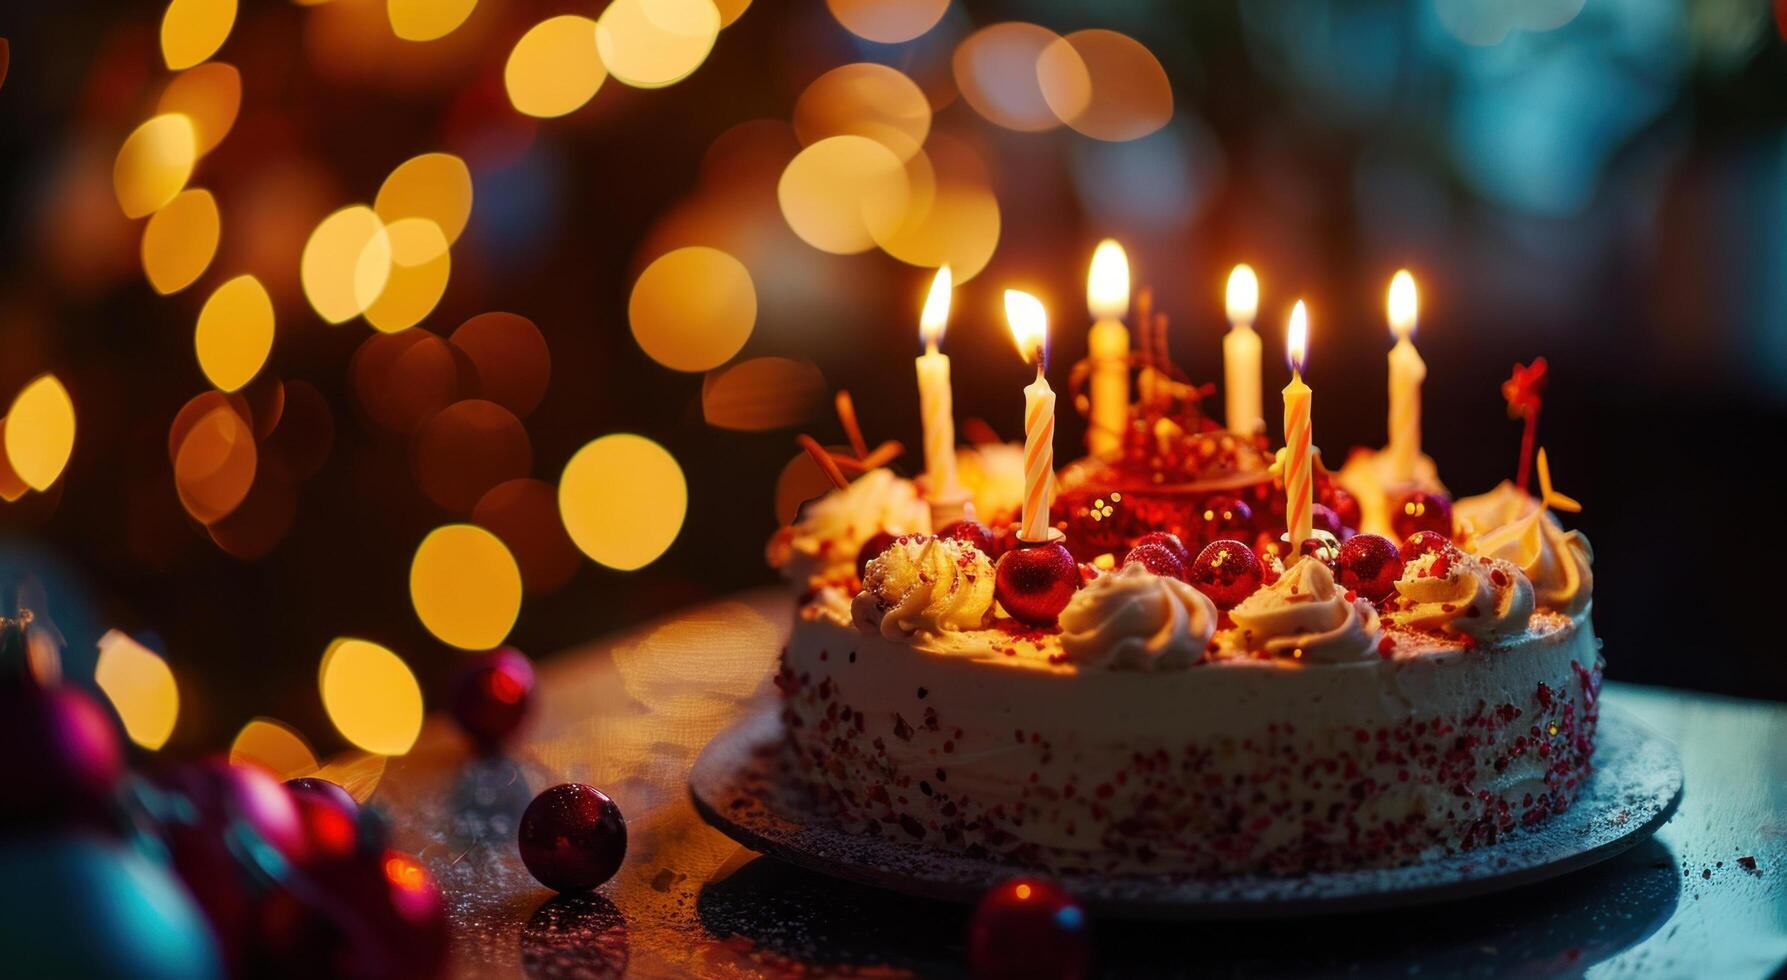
[
  {"x": 692, "y": 309},
  {"x": 371, "y": 696},
  {"x": 235, "y": 333},
  {"x": 39, "y": 437},
  {"x": 623, "y": 499},
  {"x": 865, "y": 99},
  {"x": 215, "y": 465},
  {"x": 888, "y": 21},
  {"x": 193, "y": 30},
  {"x": 435, "y": 186},
  {"x": 654, "y": 43},
  {"x": 140, "y": 686},
  {"x": 995, "y": 70},
  {"x": 427, "y": 20},
  {"x": 210, "y": 95},
  {"x": 838, "y": 193},
  {"x": 154, "y": 163},
  {"x": 180, "y": 240},
  {"x": 1105, "y": 85},
  {"x": 555, "y": 68},
  {"x": 465, "y": 586},
  {"x": 420, "y": 266},
  {"x": 346, "y": 263},
  {"x": 275, "y": 747}
]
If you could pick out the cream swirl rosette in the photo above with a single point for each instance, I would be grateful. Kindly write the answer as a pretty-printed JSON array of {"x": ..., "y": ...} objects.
[
  {"x": 1133, "y": 619},
  {"x": 1507, "y": 524},
  {"x": 1308, "y": 616},
  {"x": 1487, "y": 599},
  {"x": 825, "y": 539},
  {"x": 925, "y": 585}
]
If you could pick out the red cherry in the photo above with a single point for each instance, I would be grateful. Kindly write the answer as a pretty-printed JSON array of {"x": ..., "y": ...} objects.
[
  {"x": 1345, "y": 506},
  {"x": 1370, "y": 565},
  {"x": 871, "y": 549},
  {"x": 572, "y": 837},
  {"x": 1168, "y": 540},
  {"x": 1156, "y": 558},
  {"x": 1227, "y": 571},
  {"x": 1422, "y": 543},
  {"x": 1225, "y": 517},
  {"x": 971, "y": 532},
  {"x": 494, "y": 696},
  {"x": 1419, "y": 510},
  {"x": 1034, "y": 582},
  {"x": 1028, "y": 928}
]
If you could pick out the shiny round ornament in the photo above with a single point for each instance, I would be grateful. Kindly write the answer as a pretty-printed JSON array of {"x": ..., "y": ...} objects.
[
  {"x": 1156, "y": 558},
  {"x": 1324, "y": 518},
  {"x": 63, "y": 759},
  {"x": 1346, "y": 507},
  {"x": 1034, "y": 582},
  {"x": 1420, "y": 510},
  {"x": 572, "y": 837},
  {"x": 1422, "y": 543},
  {"x": 1369, "y": 564},
  {"x": 1225, "y": 517},
  {"x": 1227, "y": 571},
  {"x": 970, "y": 532},
  {"x": 1168, "y": 540},
  {"x": 1029, "y": 928},
  {"x": 376, "y": 915},
  {"x": 494, "y": 697},
  {"x": 318, "y": 786}
]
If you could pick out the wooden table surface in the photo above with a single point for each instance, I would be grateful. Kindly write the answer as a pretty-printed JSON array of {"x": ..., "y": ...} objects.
[{"x": 630, "y": 712}]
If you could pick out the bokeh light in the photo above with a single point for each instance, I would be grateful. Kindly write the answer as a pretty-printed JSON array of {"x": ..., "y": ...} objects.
[
  {"x": 839, "y": 192},
  {"x": 215, "y": 465},
  {"x": 39, "y": 434},
  {"x": 731, "y": 10},
  {"x": 199, "y": 406},
  {"x": 210, "y": 96},
  {"x": 419, "y": 268},
  {"x": 693, "y": 308},
  {"x": 467, "y": 448},
  {"x": 346, "y": 263},
  {"x": 305, "y": 433},
  {"x": 12, "y": 486},
  {"x": 865, "y": 99},
  {"x": 801, "y": 480},
  {"x": 654, "y": 43},
  {"x": 465, "y": 586},
  {"x": 180, "y": 240},
  {"x": 403, "y": 380},
  {"x": 623, "y": 499},
  {"x": 274, "y": 746},
  {"x": 260, "y": 522},
  {"x": 371, "y": 696},
  {"x": 154, "y": 164},
  {"x": 140, "y": 686},
  {"x": 554, "y": 69},
  {"x": 235, "y": 333},
  {"x": 996, "y": 71},
  {"x": 435, "y": 186},
  {"x": 510, "y": 356},
  {"x": 426, "y": 20},
  {"x": 888, "y": 21},
  {"x": 763, "y": 393},
  {"x": 1105, "y": 85},
  {"x": 193, "y": 30},
  {"x": 524, "y": 513},
  {"x": 957, "y": 223}
]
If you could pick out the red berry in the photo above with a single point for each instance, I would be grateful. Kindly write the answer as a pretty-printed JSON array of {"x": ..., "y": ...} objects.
[
  {"x": 1156, "y": 558},
  {"x": 1226, "y": 571},
  {"x": 1419, "y": 510},
  {"x": 1424, "y": 542},
  {"x": 1028, "y": 928},
  {"x": 1225, "y": 517},
  {"x": 1168, "y": 540},
  {"x": 971, "y": 532},
  {"x": 1370, "y": 565},
  {"x": 494, "y": 697},
  {"x": 1034, "y": 582},
  {"x": 572, "y": 837},
  {"x": 871, "y": 549},
  {"x": 1346, "y": 507}
]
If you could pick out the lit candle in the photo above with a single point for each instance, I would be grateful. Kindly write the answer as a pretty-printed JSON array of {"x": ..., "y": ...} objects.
[
  {"x": 1406, "y": 373},
  {"x": 1241, "y": 355},
  {"x": 935, "y": 401},
  {"x": 1299, "y": 485},
  {"x": 1107, "y": 295},
  {"x": 1029, "y": 328}
]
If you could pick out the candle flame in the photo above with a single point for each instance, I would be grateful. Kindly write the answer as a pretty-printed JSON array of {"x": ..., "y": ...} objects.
[
  {"x": 1401, "y": 304},
  {"x": 1244, "y": 295},
  {"x": 1029, "y": 324},
  {"x": 1107, "y": 282},
  {"x": 1296, "y": 341},
  {"x": 936, "y": 313}
]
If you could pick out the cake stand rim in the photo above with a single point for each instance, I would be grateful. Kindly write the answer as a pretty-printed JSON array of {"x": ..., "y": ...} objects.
[{"x": 814, "y": 845}]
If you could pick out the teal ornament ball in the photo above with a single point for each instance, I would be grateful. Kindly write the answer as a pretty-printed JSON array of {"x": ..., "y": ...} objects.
[{"x": 77, "y": 905}]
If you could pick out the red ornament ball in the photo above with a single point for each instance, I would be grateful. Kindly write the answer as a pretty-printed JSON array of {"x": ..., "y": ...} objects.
[
  {"x": 331, "y": 820},
  {"x": 1156, "y": 558},
  {"x": 1324, "y": 518},
  {"x": 1225, "y": 517},
  {"x": 1168, "y": 540},
  {"x": 1422, "y": 543},
  {"x": 1034, "y": 581},
  {"x": 494, "y": 696},
  {"x": 871, "y": 549},
  {"x": 1227, "y": 571},
  {"x": 970, "y": 532},
  {"x": 375, "y": 916},
  {"x": 572, "y": 837},
  {"x": 1420, "y": 510},
  {"x": 63, "y": 760},
  {"x": 1346, "y": 507},
  {"x": 1029, "y": 928},
  {"x": 1370, "y": 565},
  {"x": 317, "y": 786}
]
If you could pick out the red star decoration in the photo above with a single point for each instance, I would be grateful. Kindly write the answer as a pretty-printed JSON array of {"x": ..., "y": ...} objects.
[{"x": 1525, "y": 389}]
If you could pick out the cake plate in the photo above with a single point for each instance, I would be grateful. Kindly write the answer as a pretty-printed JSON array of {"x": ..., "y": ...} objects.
[{"x": 742, "y": 785}]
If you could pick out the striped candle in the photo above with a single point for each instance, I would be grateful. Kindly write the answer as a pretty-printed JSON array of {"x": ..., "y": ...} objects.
[
  {"x": 1029, "y": 328},
  {"x": 1299, "y": 483}
]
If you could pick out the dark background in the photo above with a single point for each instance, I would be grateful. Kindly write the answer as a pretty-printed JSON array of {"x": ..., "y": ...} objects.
[{"x": 1610, "y": 193}]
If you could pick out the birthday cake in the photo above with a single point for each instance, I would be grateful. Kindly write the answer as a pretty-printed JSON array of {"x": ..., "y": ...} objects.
[{"x": 1185, "y": 673}]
